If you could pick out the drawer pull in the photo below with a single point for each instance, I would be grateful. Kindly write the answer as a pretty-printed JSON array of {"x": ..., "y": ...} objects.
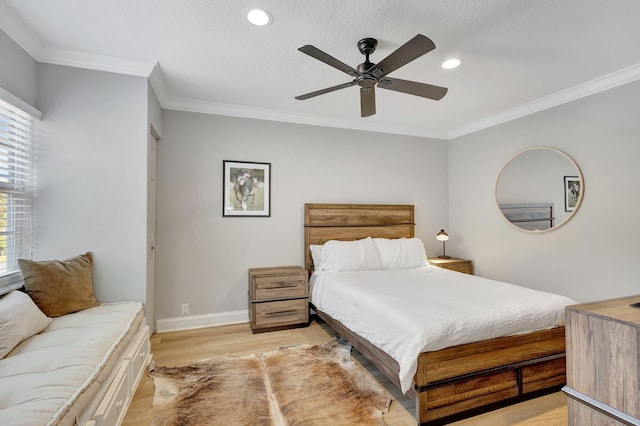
[
  {"x": 287, "y": 312},
  {"x": 281, "y": 284}
]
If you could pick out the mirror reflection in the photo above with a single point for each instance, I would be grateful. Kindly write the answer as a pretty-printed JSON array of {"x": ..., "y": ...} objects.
[{"x": 539, "y": 189}]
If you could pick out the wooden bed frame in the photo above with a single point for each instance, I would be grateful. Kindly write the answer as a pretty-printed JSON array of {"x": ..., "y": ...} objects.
[{"x": 454, "y": 382}]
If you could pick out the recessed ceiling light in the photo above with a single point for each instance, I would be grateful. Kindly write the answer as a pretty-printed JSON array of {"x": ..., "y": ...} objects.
[
  {"x": 259, "y": 17},
  {"x": 450, "y": 64}
]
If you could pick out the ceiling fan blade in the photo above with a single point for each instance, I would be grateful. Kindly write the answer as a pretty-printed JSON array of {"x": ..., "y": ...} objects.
[
  {"x": 414, "y": 48},
  {"x": 323, "y": 91},
  {"x": 367, "y": 100},
  {"x": 413, "y": 88},
  {"x": 318, "y": 54}
]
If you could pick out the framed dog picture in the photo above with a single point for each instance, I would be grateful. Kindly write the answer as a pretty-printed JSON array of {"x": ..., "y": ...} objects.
[
  {"x": 571, "y": 192},
  {"x": 247, "y": 189}
]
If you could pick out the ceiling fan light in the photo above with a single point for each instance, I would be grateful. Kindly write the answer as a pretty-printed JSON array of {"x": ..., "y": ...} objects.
[
  {"x": 452, "y": 63},
  {"x": 259, "y": 17}
]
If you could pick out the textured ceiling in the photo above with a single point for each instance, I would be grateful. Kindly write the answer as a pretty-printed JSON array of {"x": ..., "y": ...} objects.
[{"x": 519, "y": 56}]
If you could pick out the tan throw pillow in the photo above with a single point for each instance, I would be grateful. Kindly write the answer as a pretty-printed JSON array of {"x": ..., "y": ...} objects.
[{"x": 60, "y": 287}]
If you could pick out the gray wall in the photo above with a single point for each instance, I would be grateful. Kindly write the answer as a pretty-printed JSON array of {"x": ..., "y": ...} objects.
[
  {"x": 595, "y": 254},
  {"x": 18, "y": 72},
  {"x": 203, "y": 258},
  {"x": 91, "y": 161}
]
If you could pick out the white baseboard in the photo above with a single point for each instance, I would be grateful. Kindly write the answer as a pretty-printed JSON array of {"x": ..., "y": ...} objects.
[{"x": 188, "y": 322}]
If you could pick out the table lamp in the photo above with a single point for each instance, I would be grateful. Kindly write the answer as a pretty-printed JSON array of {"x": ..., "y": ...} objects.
[{"x": 443, "y": 236}]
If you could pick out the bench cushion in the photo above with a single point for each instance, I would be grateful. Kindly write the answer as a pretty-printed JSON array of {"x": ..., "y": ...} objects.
[{"x": 52, "y": 377}]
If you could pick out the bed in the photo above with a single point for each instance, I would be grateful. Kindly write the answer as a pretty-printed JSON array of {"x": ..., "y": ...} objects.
[{"x": 455, "y": 381}]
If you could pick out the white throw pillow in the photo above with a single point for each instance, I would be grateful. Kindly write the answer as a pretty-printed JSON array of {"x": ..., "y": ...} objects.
[
  {"x": 20, "y": 319},
  {"x": 401, "y": 253},
  {"x": 316, "y": 254},
  {"x": 338, "y": 256}
]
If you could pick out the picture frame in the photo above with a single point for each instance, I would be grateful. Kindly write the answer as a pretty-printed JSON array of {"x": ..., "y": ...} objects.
[
  {"x": 246, "y": 189},
  {"x": 572, "y": 190}
]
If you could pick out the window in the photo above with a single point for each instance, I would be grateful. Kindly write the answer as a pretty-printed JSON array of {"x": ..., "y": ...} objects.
[{"x": 17, "y": 136}]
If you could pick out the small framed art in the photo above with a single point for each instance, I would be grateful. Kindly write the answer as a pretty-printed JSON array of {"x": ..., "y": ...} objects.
[
  {"x": 571, "y": 192},
  {"x": 247, "y": 189}
]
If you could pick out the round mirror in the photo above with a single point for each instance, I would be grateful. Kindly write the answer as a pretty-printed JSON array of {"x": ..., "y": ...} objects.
[{"x": 539, "y": 189}]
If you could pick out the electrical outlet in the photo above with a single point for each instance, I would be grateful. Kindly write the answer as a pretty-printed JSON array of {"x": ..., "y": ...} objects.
[{"x": 185, "y": 309}]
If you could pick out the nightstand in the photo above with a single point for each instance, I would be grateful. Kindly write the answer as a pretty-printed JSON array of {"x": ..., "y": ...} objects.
[
  {"x": 278, "y": 298},
  {"x": 453, "y": 264}
]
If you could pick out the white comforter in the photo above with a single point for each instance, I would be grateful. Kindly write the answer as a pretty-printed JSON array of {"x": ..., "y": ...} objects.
[{"x": 405, "y": 312}]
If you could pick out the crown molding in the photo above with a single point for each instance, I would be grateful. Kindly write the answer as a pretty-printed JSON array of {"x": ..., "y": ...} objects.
[
  {"x": 19, "y": 31},
  {"x": 96, "y": 62},
  {"x": 609, "y": 81},
  {"x": 205, "y": 107},
  {"x": 597, "y": 85},
  {"x": 28, "y": 40}
]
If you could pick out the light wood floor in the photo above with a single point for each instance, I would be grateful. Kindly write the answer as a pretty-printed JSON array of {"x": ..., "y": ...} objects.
[{"x": 184, "y": 347}]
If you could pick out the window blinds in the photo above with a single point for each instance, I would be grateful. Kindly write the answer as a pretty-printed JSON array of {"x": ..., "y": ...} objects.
[{"x": 17, "y": 130}]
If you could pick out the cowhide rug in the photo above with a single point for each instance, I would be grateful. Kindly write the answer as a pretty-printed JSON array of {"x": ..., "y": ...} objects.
[{"x": 299, "y": 385}]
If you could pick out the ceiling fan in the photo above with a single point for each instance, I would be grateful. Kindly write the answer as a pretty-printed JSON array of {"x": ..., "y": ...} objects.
[{"x": 368, "y": 75}]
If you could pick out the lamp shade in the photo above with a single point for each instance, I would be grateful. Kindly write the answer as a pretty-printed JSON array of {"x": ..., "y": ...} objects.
[{"x": 442, "y": 236}]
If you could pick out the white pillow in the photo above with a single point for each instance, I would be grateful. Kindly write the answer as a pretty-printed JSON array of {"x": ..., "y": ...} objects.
[
  {"x": 401, "y": 253},
  {"x": 338, "y": 256},
  {"x": 316, "y": 254},
  {"x": 20, "y": 319}
]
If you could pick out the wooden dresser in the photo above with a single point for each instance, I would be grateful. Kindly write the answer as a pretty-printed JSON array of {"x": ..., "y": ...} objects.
[
  {"x": 603, "y": 363},
  {"x": 278, "y": 298},
  {"x": 453, "y": 264}
]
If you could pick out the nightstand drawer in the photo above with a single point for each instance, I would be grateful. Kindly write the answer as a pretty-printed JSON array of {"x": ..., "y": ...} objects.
[
  {"x": 459, "y": 267},
  {"x": 283, "y": 312},
  {"x": 279, "y": 286},
  {"x": 453, "y": 264}
]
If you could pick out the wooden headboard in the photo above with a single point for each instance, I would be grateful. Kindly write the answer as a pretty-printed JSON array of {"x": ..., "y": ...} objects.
[{"x": 347, "y": 222}]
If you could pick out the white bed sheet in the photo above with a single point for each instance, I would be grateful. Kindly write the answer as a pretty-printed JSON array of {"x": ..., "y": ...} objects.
[{"x": 406, "y": 312}]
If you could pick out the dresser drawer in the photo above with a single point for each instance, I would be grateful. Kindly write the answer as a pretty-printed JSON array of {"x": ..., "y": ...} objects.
[
  {"x": 280, "y": 285},
  {"x": 138, "y": 357},
  {"x": 544, "y": 375},
  {"x": 112, "y": 409},
  {"x": 279, "y": 313}
]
